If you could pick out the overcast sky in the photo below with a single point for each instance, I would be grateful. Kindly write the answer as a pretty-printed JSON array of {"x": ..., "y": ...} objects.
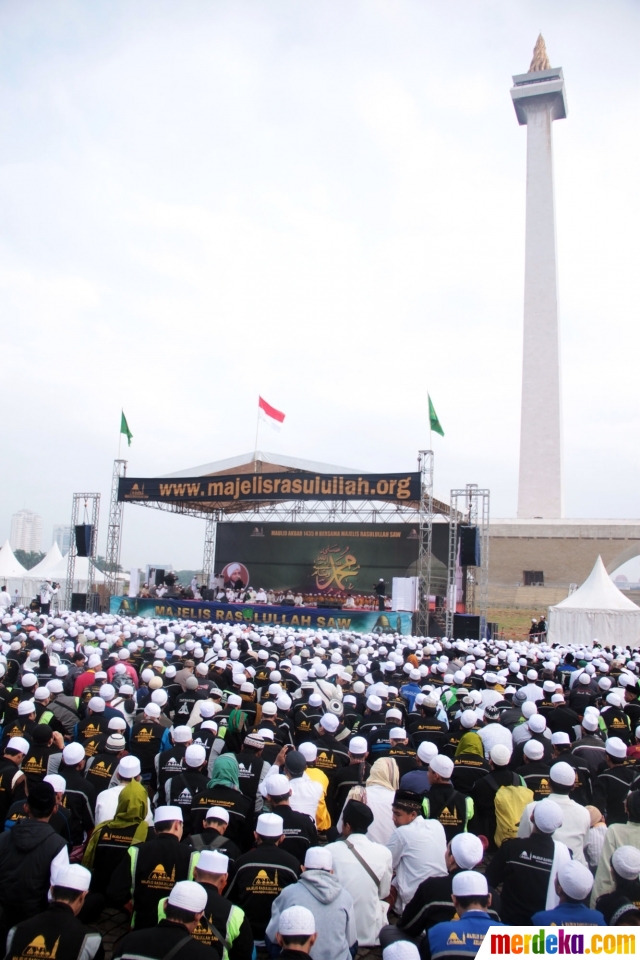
[{"x": 321, "y": 202}]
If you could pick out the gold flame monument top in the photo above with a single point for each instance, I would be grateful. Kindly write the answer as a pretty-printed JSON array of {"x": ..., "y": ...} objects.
[{"x": 540, "y": 59}]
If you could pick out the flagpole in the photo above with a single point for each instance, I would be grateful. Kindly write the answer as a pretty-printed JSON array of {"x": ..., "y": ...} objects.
[
  {"x": 120, "y": 434},
  {"x": 255, "y": 448}
]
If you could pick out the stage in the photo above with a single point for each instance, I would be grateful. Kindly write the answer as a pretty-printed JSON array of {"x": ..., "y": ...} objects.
[{"x": 263, "y": 614}]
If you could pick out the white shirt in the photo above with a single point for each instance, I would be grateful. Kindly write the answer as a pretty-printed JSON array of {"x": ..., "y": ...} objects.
[
  {"x": 418, "y": 850},
  {"x": 369, "y": 909},
  {"x": 306, "y": 794},
  {"x": 107, "y": 804},
  {"x": 574, "y": 831},
  {"x": 5, "y": 599},
  {"x": 380, "y": 801},
  {"x": 493, "y": 734},
  {"x": 534, "y": 692}
]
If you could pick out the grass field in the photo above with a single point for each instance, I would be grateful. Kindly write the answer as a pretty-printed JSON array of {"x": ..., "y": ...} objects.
[{"x": 514, "y": 624}]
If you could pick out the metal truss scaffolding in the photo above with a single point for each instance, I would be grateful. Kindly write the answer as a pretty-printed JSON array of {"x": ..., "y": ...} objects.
[
  {"x": 209, "y": 558},
  {"x": 425, "y": 460},
  {"x": 94, "y": 509},
  {"x": 469, "y": 506},
  {"x": 114, "y": 530}
]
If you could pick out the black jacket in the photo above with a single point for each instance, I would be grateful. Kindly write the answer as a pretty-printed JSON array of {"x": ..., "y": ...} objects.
[
  {"x": 299, "y": 831},
  {"x": 523, "y": 867},
  {"x": 155, "y": 942},
  {"x": 217, "y": 913},
  {"x": 610, "y": 791},
  {"x": 61, "y": 933},
  {"x": 26, "y": 853},
  {"x": 432, "y": 903},
  {"x": 257, "y": 878},
  {"x": 240, "y": 810}
]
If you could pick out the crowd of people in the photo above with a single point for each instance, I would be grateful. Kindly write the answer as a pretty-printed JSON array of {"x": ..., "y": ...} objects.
[{"x": 242, "y": 792}]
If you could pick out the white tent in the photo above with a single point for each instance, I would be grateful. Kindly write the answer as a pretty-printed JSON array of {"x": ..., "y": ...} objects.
[
  {"x": 58, "y": 572},
  {"x": 42, "y": 570},
  {"x": 596, "y": 611},
  {"x": 10, "y": 568}
]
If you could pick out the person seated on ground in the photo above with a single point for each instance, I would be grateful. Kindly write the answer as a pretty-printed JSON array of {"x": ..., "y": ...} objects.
[
  {"x": 222, "y": 921},
  {"x": 213, "y": 836},
  {"x": 331, "y": 905},
  {"x": 469, "y": 763},
  {"x": 183, "y": 912},
  {"x": 58, "y": 929},
  {"x": 625, "y": 870},
  {"x": 299, "y": 829},
  {"x": 576, "y": 821},
  {"x": 296, "y": 933},
  {"x": 573, "y": 884},
  {"x": 417, "y": 846},
  {"x": 418, "y": 779},
  {"x": 463, "y": 937},
  {"x": 110, "y": 842},
  {"x": 444, "y": 802},
  {"x": 618, "y": 835}
]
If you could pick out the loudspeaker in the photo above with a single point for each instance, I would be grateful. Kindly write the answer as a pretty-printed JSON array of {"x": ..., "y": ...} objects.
[
  {"x": 466, "y": 627},
  {"x": 78, "y": 602},
  {"x": 469, "y": 547},
  {"x": 84, "y": 532},
  {"x": 329, "y": 604},
  {"x": 159, "y": 577}
]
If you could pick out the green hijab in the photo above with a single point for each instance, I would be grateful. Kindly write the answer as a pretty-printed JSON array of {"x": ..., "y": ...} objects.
[
  {"x": 225, "y": 772},
  {"x": 132, "y": 808},
  {"x": 470, "y": 743}
]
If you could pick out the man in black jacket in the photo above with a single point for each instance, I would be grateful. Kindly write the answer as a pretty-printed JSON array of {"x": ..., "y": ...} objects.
[
  {"x": 12, "y": 780},
  {"x": 29, "y": 854},
  {"x": 184, "y": 910},
  {"x": 152, "y": 868},
  {"x": 80, "y": 795},
  {"x": 221, "y": 918},
  {"x": 58, "y": 929},
  {"x": 181, "y": 790},
  {"x": 299, "y": 829},
  {"x": 523, "y": 866}
]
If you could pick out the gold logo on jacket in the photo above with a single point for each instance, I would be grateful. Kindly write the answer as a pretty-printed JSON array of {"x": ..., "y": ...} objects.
[{"x": 38, "y": 950}]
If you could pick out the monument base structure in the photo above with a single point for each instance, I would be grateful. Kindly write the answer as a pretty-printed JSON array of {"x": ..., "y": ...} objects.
[{"x": 264, "y": 615}]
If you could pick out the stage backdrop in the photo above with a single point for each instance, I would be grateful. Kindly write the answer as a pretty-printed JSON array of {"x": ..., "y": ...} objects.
[
  {"x": 365, "y": 621},
  {"x": 324, "y": 559}
]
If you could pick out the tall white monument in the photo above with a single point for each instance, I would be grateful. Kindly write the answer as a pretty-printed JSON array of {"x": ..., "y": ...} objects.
[{"x": 539, "y": 99}]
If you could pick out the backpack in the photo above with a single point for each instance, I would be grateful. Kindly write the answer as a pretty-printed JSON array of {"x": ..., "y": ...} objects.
[{"x": 509, "y": 803}]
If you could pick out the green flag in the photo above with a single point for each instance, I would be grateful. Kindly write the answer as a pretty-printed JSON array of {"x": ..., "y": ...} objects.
[
  {"x": 433, "y": 419},
  {"x": 124, "y": 428}
]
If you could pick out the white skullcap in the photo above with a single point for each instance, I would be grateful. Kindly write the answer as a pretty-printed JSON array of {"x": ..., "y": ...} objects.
[
  {"x": 74, "y": 877},
  {"x": 212, "y": 861},
  {"x": 442, "y": 765},
  {"x": 467, "y": 850},
  {"x": 401, "y": 950},
  {"x": 560, "y": 737},
  {"x": 397, "y": 733},
  {"x": 96, "y": 705},
  {"x": 575, "y": 879},
  {"x": 374, "y": 703},
  {"x": 468, "y": 719},
  {"x": 500, "y": 755},
  {"x": 217, "y": 813},
  {"x": 270, "y": 825},
  {"x": 616, "y": 747},
  {"x": 427, "y": 751},
  {"x": 549, "y": 686},
  {"x": 269, "y": 709},
  {"x": 329, "y": 722},
  {"x": 234, "y": 700},
  {"x": 19, "y": 744},
  {"x": 590, "y": 722},
  {"x": 152, "y": 710},
  {"x": 557, "y": 698},
  {"x": 42, "y": 693},
  {"x": 547, "y": 816},
  {"x": 315, "y": 700},
  {"x": 195, "y": 755},
  {"x": 94, "y": 661},
  {"x": 55, "y": 686},
  {"x": 296, "y": 922},
  {"x": 309, "y": 751},
  {"x": 626, "y": 862},
  {"x": 358, "y": 746},
  {"x": 533, "y": 749},
  {"x": 59, "y": 785},
  {"x": 528, "y": 709},
  {"x": 188, "y": 895},
  {"x": 72, "y": 754},
  {"x": 318, "y": 858},
  {"x": 563, "y": 773},
  {"x": 537, "y": 723},
  {"x": 166, "y": 814},
  {"x": 469, "y": 883},
  {"x": 207, "y": 709},
  {"x": 532, "y": 675},
  {"x": 181, "y": 734},
  {"x": 277, "y": 785},
  {"x": 107, "y": 692},
  {"x": 129, "y": 768},
  {"x": 25, "y": 707},
  {"x": 117, "y": 723},
  {"x": 160, "y": 697},
  {"x": 584, "y": 678}
]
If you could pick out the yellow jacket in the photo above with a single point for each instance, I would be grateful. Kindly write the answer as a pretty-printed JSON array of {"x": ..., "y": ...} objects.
[{"x": 323, "y": 820}]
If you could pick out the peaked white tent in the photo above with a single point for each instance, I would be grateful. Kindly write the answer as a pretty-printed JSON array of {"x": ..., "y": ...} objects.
[
  {"x": 596, "y": 611},
  {"x": 80, "y": 574},
  {"x": 10, "y": 568},
  {"x": 41, "y": 570}
]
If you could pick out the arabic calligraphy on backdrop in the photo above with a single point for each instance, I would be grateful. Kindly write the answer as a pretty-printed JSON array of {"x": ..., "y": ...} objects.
[{"x": 335, "y": 566}]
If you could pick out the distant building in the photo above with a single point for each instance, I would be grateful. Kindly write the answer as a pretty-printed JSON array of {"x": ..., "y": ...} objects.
[
  {"x": 62, "y": 536},
  {"x": 26, "y": 531}
]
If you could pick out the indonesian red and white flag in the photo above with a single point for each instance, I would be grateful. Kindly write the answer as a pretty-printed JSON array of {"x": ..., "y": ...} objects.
[{"x": 275, "y": 418}]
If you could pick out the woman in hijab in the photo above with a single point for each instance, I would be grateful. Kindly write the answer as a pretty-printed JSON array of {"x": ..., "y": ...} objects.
[
  {"x": 469, "y": 763},
  {"x": 223, "y": 790},
  {"x": 111, "y": 840},
  {"x": 378, "y": 793}
]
